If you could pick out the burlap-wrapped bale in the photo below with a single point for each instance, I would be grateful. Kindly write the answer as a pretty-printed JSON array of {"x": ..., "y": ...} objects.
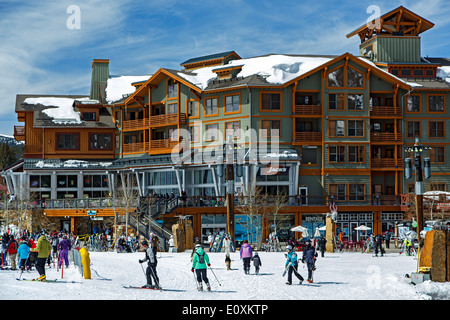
[
  {"x": 433, "y": 255},
  {"x": 179, "y": 238},
  {"x": 189, "y": 235},
  {"x": 329, "y": 234}
]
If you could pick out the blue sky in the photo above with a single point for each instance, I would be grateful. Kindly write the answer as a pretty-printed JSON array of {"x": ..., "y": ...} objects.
[{"x": 39, "y": 54}]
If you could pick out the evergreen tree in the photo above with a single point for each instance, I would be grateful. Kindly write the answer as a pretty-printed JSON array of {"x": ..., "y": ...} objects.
[{"x": 7, "y": 155}]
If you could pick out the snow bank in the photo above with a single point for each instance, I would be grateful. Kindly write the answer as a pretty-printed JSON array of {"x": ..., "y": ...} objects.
[
  {"x": 444, "y": 73},
  {"x": 119, "y": 86}
]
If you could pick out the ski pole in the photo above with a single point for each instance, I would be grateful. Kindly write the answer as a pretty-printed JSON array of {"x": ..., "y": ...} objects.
[
  {"x": 195, "y": 279},
  {"x": 154, "y": 276},
  {"x": 215, "y": 276}
]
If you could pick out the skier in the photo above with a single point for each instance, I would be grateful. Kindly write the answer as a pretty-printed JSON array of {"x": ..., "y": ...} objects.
[
  {"x": 292, "y": 264},
  {"x": 43, "y": 248},
  {"x": 5, "y": 241},
  {"x": 341, "y": 240},
  {"x": 226, "y": 245},
  {"x": 322, "y": 242},
  {"x": 408, "y": 244},
  {"x": 150, "y": 255},
  {"x": 64, "y": 247},
  {"x": 55, "y": 242},
  {"x": 24, "y": 252},
  {"x": 12, "y": 251},
  {"x": 387, "y": 237},
  {"x": 378, "y": 244},
  {"x": 246, "y": 254},
  {"x": 256, "y": 262},
  {"x": 199, "y": 263},
  {"x": 309, "y": 256}
]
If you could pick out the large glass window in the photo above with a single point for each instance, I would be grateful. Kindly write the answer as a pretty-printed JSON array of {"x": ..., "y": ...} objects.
[
  {"x": 413, "y": 103},
  {"x": 413, "y": 129},
  {"x": 271, "y": 128},
  {"x": 355, "y": 128},
  {"x": 211, "y": 106},
  {"x": 192, "y": 107},
  {"x": 270, "y": 101},
  {"x": 100, "y": 141},
  {"x": 68, "y": 141},
  {"x": 436, "y": 103},
  {"x": 211, "y": 132},
  {"x": 336, "y": 154},
  {"x": 232, "y": 103},
  {"x": 355, "y": 79},
  {"x": 338, "y": 191},
  {"x": 436, "y": 129},
  {"x": 336, "y": 78},
  {"x": 336, "y": 128},
  {"x": 172, "y": 89},
  {"x": 355, "y": 101},
  {"x": 356, "y": 192},
  {"x": 356, "y": 154},
  {"x": 336, "y": 101},
  {"x": 67, "y": 181},
  {"x": 37, "y": 181}
]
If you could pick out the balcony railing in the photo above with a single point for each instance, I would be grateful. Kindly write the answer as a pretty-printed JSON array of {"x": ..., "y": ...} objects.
[
  {"x": 167, "y": 119},
  {"x": 138, "y": 124},
  {"x": 135, "y": 147},
  {"x": 378, "y": 163},
  {"x": 308, "y": 136},
  {"x": 386, "y": 137},
  {"x": 163, "y": 143},
  {"x": 385, "y": 111},
  {"x": 308, "y": 110},
  {"x": 19, "y": 133}
]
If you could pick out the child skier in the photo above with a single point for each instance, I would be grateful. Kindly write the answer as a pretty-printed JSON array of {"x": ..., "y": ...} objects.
[
  {"x": 199, "y": 263},
  {"x": 256, "y": 262},
  {"x": 24, "y": 252},
  {"x": 309, "y": 256},
  {"x": 150, "y": 255},
  {"x": 292, "y": 264}
]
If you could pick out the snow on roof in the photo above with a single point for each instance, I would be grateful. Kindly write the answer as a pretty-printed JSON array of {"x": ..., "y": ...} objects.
[
  {"x": 119, "y": 86},
  {"x": 62, "y": 111},
  {"x": 276, "y": 68},
  {"x": 444, "y": 73}
]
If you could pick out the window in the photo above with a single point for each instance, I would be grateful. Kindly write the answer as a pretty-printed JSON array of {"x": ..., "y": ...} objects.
[
  {"x": 68, "y": 141},
  {"x": 211, "y": 107},
  {"x": 271, "y": 101},
  {"x": 413, "y": 129},
  {"x": 40, "y": 181},
  {"x": 355, "y": 101},
  {"x": 336, "y": 78},
  {"x": 406, "y": 72},
  {"x": 100, "y": 141},
  {"x": 203, "y": 177},
  {"x": 173, "y": 134},
  {"x": 356, "y": 192},
  {"x": 429, "y": 72},
  {"x": 172, "y": 108},
  {"x": 336, "y": 101},
  {"x": 338, "y": 191},
  {"x": 192, "y": 109},
  {"x": 232, "y": 104},
  {"x": 418, "y": 72},
  {"x": 375, "y": 101},
  {"x": 271, "y": 128},
  {"x": 356, "y": 154},
  {"x": 304, "y": 126},
  {"x": 437, "y": 186},
  {"x": 194, "y": 133},
  {"x": 232, "y": 129},
  {"x": 394, "y": 72},
  {"x": 355, "y": 79},
  {"x": 413, "y": 103},
  {"x": 309, "y": 155},
  {"x": 211, "y": 132},
  {"x": 172, "y": 89},
  {"x": 95, "y": 181},
  {"x": 336, "y": 128},
  {"x": 336, "y": 154},
  {"x": 303, "y": 100},
  {"x": 89, "y": 116},
  {"x": 437, "y": 154},
  {"x": 355, "y": 128},
  {"x": 436, "y": 103},
  {"x": 70, "y": 181},
  {"x": 436, "y": 129}
]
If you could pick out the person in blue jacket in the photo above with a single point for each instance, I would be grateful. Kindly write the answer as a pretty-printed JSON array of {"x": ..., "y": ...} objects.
[
  {"x": 199, "y": 262},
  {"x": 309, "y": 256},
  {"x": 292, "y": 264},
  {"x": 24, "y": 252}
]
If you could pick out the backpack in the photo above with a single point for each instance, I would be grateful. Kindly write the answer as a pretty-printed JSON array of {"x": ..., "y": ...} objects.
[{"x": 201, "y": 258}]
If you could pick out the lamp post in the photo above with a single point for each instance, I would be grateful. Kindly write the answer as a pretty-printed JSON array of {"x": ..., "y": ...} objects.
[{"x": 420, "y": 174}]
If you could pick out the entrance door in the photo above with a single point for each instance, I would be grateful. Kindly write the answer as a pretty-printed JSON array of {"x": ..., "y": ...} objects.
[
  {"x": 303, "y": 195},
  {"x": 65, "y": 226}
]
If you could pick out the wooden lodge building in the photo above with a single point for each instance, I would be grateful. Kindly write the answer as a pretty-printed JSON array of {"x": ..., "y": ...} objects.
[{"x": 319, "y": 129}]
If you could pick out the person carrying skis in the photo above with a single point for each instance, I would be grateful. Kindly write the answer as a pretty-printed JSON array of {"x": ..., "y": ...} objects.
[
  {"x": 43, "y": 248},
  {"x": 292, "y": 264},
  {"x": 64, "y": 247},
  {"x": 256, "y": 262},
  {"x": 322, "y": 242},
  {"x": 309, "y": 256},
  {"x": 199, "y": 263},
  {"x": 246, "y": 254},
  {"x": 150, "y": 256}
]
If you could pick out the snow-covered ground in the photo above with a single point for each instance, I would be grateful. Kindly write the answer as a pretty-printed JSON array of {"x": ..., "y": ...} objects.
[{"x": 350, "y": 275}]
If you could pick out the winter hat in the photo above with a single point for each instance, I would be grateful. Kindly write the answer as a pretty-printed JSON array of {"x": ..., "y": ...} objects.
[
  {"x": 145, "y": 243},
  {"x": 198, "y": 245}
]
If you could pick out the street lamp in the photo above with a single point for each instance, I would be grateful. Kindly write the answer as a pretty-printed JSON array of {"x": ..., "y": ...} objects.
[
  {"x": 229, "y": 177},
  {"x": 417, "y": 150}
]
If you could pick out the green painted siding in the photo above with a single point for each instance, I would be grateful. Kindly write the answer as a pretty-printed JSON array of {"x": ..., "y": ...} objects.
[{"x": 394, "y": 49}]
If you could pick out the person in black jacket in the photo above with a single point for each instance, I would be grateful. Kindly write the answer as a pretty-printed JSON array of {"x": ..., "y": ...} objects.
[
  {"x": 322, "y": 242},
  {"x": 150, "y": 256},
  {"x": 309, "y": 256},
  {"x": 379, "y": 245}
]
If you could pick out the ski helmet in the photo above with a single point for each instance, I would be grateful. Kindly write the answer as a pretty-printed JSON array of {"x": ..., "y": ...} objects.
[
  {"x": 145, "y": 243},
  {"x": 289, "y": 247}
]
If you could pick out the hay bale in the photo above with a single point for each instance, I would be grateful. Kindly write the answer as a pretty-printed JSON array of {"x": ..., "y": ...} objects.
[
  {"x": 329, "y": 234},
  {"x": 433, "y": 254},
  {"x": 179, "y": 238}
]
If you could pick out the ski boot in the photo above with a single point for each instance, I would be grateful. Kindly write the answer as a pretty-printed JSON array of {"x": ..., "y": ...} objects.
[
  {"x": 208, "y": 287},
  {"x": 200, "y": 286},
  {"x": 41, "y": 278},
  {"x": 310, "y": 280}
]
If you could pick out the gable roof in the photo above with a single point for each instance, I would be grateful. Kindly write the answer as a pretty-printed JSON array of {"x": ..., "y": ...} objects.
[{"x": 215, "y": 56}]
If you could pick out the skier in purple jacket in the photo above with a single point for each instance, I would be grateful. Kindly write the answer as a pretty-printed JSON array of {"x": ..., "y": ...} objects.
[
  {"x": 64, "y": 247},
  {"x": 246, "y": 255}
]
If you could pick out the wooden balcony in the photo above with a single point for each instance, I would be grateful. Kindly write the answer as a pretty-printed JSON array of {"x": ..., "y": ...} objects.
[
  {"x": 385, "y": 111},
  {"x": 163, "y": 120},
  {"x": 19, "y": 133},
  {"x": 133, "y": 125},
  {"x": 384, "y": 137},
  {"x": 384, "y": 163},
  {"x": 307, "y": 110},
  {"x": 163, "y": 143},
  {"x": 139, "y": 147},
  {"x": 308, "y": 137}
]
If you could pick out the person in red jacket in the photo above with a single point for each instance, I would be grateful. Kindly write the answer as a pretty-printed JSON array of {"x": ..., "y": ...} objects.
[{"x": 12, "y": 251}]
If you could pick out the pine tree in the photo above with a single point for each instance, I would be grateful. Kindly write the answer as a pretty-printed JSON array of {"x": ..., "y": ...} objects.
[{"x": 7, "y": 155}]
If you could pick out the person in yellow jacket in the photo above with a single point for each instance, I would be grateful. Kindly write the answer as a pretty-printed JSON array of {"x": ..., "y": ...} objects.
[{"x": 43, "y": 248}]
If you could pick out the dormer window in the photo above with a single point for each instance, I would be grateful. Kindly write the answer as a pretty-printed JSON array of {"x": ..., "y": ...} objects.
[{"x": 89, "y": 116}]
